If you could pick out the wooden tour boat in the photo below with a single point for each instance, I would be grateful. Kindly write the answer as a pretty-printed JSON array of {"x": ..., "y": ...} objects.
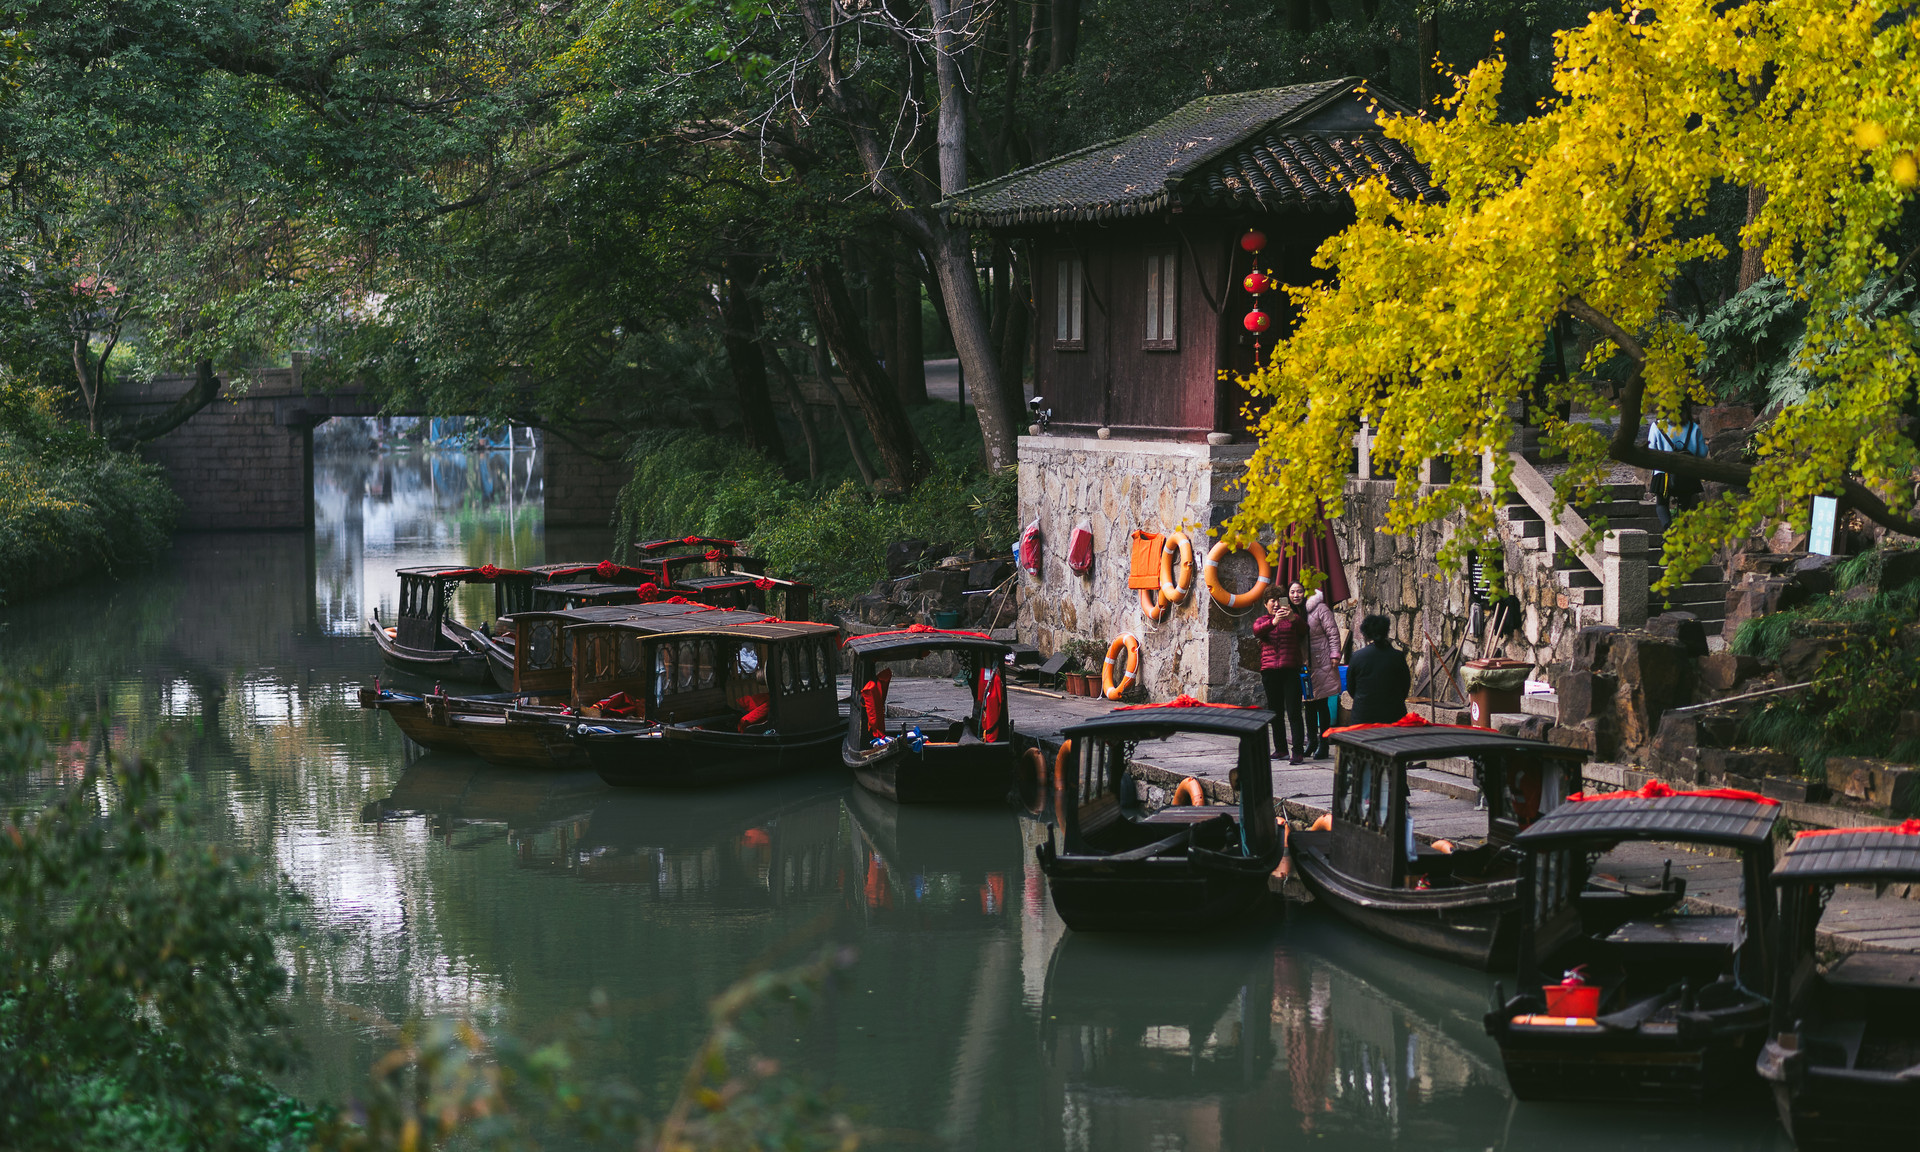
[
  {"x": 543, "y": 667},
  {"x": 1112, "y": 866},
  {"x": 969, "y": 762},
  {"x": 1463, "y": 905},
  {"x": 1668, "y": 1008},
  {"x": 707, "y": 697},
  {"x": 425, "y": 639},
  {"x": 1843, "y": 1049}
]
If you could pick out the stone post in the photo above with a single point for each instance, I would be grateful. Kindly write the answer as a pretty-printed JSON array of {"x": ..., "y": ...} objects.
[
  {"x": 1623, "y": 563},
  {"x": 1363, "y": 450}
]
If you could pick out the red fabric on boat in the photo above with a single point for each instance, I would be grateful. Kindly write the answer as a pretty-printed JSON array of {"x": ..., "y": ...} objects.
[
  {"x": 1410, "y": 720},
  {"x": 1904, "y": 828},
  {"x": 1185, "y": 701},
  {"x": 992, "y": 694},
  {"x": 759, "y": 708},
  {"x": 915, "y": 630},
  {"x": 763, "y": 583},
  {"x": 873, "y": 698},
  {"x": 1656, "y": 790},
  {"x": 618, "y": 704}
]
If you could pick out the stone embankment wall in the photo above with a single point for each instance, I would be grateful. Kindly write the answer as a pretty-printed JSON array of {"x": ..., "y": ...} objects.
[
  {"x": 1115, "y": 487},
  {"x": 236, "y": 464}
]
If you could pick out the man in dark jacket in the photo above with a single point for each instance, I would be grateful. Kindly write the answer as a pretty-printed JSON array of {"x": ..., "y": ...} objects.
[
  {"x": 1377, "y": 676},
  {"x": 1282, "y": 633}
]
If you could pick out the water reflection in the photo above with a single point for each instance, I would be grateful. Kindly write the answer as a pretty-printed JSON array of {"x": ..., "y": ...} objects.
[{"x": 972, "y": 1019}]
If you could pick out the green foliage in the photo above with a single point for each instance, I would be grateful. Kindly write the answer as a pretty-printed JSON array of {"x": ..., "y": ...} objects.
[
  {"x": 70, "y": 507},
  {"x": 1870, "y": 676},
  {"x": 834, "y": 537},
  {"x": 141, "y": 992}
]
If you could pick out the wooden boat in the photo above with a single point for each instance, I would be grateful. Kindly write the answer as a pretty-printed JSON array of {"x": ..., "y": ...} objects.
[
  {"x": 1114, "y": 867},
  {"x": 541, "y": 670},
  {"x": 722, "y": 696},
  {"x": 425, "y": 639},
  {"x": 496, "y": 727},
  {"x": 970, "y": 762},
  {"x": 1843, "y": 1048},
  {"x": 1669, "y": 1008},
  {"x": 1464, "y": 906}
]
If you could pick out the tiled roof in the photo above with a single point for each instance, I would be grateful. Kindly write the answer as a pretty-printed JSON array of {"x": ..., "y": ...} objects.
[
  {"x": 1855, "y": 854},
  {"x": 1256, "y": 150},
  {"x": 1687, "y": 819}
]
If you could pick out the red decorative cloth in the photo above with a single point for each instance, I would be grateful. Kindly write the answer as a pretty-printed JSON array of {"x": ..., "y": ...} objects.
[
  {"x": 759, "y": 708},
  {"x": 1185, "y": 701},
  {"x": 489, "y": 571},
  {"x": 676, "y": 600},
  {"x": 992, "y": 695},
  {"x": 1410, "y": 720},
  {"x": 1904, "y": 828},
  {"x": 916, "y": 629},
  {"x": 691, "y": 540},
  {"x": 873, "y": 698},
  {"x": 648, "y": 590},
  {"x": 716, "y": 554},
  {"x": 607, "y": 569},
  {"x": 763, "y": 583},
  {"x": 1656, "y": 790},
  {"x": 618, "y": 704}
]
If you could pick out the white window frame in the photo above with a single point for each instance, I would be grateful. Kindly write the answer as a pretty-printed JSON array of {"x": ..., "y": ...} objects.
[
  {"x": 1162, "y": 301},
  {"x": 1069, "y": 303}
]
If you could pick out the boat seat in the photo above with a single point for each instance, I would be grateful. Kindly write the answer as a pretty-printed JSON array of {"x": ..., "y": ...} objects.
[
  {"x": 1185, "y": 814},
  {"x": 1833, "y": 1043}
]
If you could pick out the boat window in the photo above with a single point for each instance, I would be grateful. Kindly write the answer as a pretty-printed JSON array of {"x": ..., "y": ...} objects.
[
  {"x": 747, "y": 660},
  {"x": 787, "y": 683},
  {"x": 540, "y": 639},
  {"x": 823, "y": 661},
  {"x": 1374, "y": 797},
  {"x": 604, "y": 654},
  {"x": 632, "y": 653},
  {"x": 665, "y": 671}
]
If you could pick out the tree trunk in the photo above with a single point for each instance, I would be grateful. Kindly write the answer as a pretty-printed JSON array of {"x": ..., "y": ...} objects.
[
  {"x": 798, "y": 402},
  {"x": 950, "y": 46},
  {"x": 960, "y": 289},
  {"x": 882, "y": 313},
  {"x": 893, "y": 435},
  {"x": 823, "y": 368},
  {"x": 1753, "y": 259},
  {"x": 910, "y": 355},
  {"x": 1066, "y": 34},
  {"x": 740, "y": 337},
  {"x": 1429, "y": 53},
  {"x": 205, "y": 390},
  {"x": 89, "y": 385}
]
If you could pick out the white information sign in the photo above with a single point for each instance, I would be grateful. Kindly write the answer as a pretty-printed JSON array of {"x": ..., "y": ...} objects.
[{"x": 1820, "y": 532}]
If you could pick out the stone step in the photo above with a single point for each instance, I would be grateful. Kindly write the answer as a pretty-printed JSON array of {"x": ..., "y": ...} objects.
[{"x": 1576, "y": 576}]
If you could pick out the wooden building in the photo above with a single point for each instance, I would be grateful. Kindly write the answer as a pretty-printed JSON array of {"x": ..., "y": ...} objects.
[{"x": 1140, "y": 270}]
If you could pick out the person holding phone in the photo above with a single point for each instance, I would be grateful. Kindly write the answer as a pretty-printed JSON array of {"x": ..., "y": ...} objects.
[{"x": 1282, "y": 633}]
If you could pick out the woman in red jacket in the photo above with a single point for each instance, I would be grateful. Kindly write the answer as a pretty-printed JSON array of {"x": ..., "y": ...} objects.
[{"x": 1282, "y": 633}]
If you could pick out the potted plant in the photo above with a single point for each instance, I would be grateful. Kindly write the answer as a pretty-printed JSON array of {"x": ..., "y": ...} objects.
[{"x": 1082, "y": 657}]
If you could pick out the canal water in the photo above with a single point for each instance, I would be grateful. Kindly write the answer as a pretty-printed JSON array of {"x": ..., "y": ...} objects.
[{"x": 970, "y": 1018}]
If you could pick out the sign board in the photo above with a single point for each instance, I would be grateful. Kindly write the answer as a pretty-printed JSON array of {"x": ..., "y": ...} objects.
[{"x": 1820, "y": 532}]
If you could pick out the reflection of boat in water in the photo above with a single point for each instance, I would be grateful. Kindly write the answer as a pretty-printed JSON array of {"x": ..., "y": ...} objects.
[
  {"x": 939, "y": 867},
  {"x": 465, "y": 789}
]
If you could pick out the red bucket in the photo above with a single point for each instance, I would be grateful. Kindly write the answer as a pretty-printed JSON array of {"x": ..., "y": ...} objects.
[{"x": 1572, "y": 1000}]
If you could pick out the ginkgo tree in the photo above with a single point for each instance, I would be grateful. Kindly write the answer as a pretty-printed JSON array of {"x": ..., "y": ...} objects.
[{"x": 1436, "y": 321}]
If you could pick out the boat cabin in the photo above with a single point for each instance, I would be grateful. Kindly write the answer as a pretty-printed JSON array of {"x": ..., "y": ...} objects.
[
  {"x": 543, "y": 660},
  {"x": 426, "y": 597},
  {"x": 1843, "y": 1047},
  {"x": 604, "y": 572},
  {"x": 982, "y": 660},
  {"x": 560, "y": 597},
  {"x": 712, "y": 668},
  {"x": 1373, "y": 835}
]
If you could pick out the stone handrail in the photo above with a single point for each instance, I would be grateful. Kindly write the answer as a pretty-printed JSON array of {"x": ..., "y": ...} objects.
[{"x": 1570, "y": 526}]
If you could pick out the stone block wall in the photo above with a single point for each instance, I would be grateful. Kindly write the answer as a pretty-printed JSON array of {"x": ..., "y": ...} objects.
[
  {"x": 580, "y": 489},
  {"x": 1117, "y": 486},
  {"x": 234, "y": 464}
]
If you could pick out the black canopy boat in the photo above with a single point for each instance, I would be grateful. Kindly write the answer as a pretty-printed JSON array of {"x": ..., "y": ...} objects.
[
  {"x": 426, "y": 640},
  {"x": 723, "y": 696},
  {"x": 1112, "y": 866},
  {"x": 1369, "y": 869},
  {"x": 1843, "y": 1048},
  {"x": 498, "y": 642},
  {"x": 965, "y": 761},
  {"x": 1668, "y": 1008}
]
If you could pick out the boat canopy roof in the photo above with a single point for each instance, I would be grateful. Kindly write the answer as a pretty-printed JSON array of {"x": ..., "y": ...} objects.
[
  {"x": 1693, "y": 818},
  {"x": 716, "y": 583},
  {"x": 559, "y": 588},
  {"x": 479, "y": 575},
  {"x": 604, "y": 570},
  {"x": 894, "y": 645},
  {"x": 686, "y": 542},
  {"x": 605, "y": 613},
  {"x": 1847, "y": 854},
  {"x": 1151, "y": 721},
  {"x": 1438, "y": 741},
  {"x": 729, "y": 622}
]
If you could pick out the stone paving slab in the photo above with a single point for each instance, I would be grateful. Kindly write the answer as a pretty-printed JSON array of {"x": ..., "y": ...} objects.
[{"x": 1856, "y": 919}]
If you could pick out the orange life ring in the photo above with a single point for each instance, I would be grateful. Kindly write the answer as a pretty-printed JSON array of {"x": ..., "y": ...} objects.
[
  {"x": 1188, "y": 795},
  {"x": 1108, "y": 688},
  {"x": 1173, "y": 589},
  {"x": 1061, "y": 767},
  {"x": 1033, "y": 781},
  {"x": 1232, "y": 600}
]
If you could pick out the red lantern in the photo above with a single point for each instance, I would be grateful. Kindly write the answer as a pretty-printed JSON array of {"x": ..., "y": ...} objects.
[
  {"x": 1257, "y": 321},
  {"x": 1254, "y": 240},
  {"x": 1256, "y": 282}
]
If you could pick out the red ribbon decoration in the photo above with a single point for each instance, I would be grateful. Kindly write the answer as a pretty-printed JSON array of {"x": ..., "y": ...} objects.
[
  {"x": 489, "y": 571},
  {"x": 1183, "y": 701},
  {"x": 607, "y": 569},
  {"x": 1410, "y": 720},
  {"x": 915, "y": 629},
  {"x": 763, "y": 583},
  {"x": 1904, "y": 828},
  {"x": 1659, "y": 790},
  {"x": 716, "y": 554}
]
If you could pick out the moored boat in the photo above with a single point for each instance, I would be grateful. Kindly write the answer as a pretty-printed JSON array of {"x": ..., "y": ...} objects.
[
  {"x": 704, "y": 698},
  {"x": 965, "y": 761},
  {"x": 496, "y": 727},
  {"x": 426, "y": 640},
  {"x": 1842, "y": 1054},
  {"x": 1663, "y": 1009},
  {"x": 1463, "y": 905},
  {"x": 1114, "y": 867}
]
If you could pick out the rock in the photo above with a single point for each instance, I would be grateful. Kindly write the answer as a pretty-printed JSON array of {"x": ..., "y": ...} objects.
[
  {"x": 1765, "y": 563},
  {"x": 1759, "y": 595},
  {"x": 1684, "y": 627},
  {"x": 904, "y": 555},
  {"x": 988, "y": 573},
  {"x": 1784, "y": 538},
  {"x": 1584, "y": 694},
  {"x": 1725, "y": 671},
  {"x": 1875, "y": 782},
  {"x": 1590, "y": 647},
  {"x": 1898, "y": 569},
  {"x": 1723, "y": 418},
  {"x": 1793, "y": 788},
  {"x": 1654, "y": 674},
  {"x": 1572, "y": 737},
  {"x": 945, "y": 584},
  {"x": 1803, "y": 656},
  {"x": 1722, "y": 764},
  {"x": 1815, "y": 574},
  {"x": 1907, "y": 727}
]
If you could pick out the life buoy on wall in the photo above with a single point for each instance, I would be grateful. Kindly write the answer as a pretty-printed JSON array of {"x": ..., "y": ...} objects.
[
  {"x": 1188, "y": 795},
  {"x": 1232, "y": 600},
  {"x": 1126, "y": 642},
  {"x": 1176, "y": 578}
]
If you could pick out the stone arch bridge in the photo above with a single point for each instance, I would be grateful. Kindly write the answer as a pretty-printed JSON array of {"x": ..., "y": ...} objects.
[{"x": 246, "y": 461}]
